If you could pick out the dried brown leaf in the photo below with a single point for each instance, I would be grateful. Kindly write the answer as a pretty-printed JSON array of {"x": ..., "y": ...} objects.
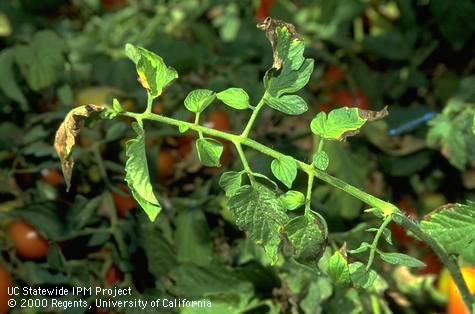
[
  {"x": 66, "y": 134},
  {"x": 269, "y": 25},
  {"x": 370, "y": 115}
]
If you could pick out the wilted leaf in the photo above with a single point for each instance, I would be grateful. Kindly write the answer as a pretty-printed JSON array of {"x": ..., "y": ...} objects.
[
  {"x": 137, "y": 174},
  {"x": 66, "y": 134}
]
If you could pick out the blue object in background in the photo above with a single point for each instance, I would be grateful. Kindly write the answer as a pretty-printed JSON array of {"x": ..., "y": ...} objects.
[{"x": 411, "y": 124}]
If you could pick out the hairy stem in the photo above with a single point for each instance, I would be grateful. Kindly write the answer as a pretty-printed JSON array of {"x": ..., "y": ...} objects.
[
  {"x": 253, "y": 117},
  {"x": 448, "y": 260},
  {"x": 374, "y": 245}
]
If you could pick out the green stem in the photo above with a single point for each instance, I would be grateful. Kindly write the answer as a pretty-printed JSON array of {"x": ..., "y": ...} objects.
[
  {"x": 253, "y": 117},
  {"x": 244, "y": 162},
  {"x": 369, "y": 199},
  {"x": 308, "y": 197},
  {"x": 448, "y": 260},
  {"x": 149, "y": 103},
  {"x": 197, "y": 122},
  {"x": 374, "y": 245}
]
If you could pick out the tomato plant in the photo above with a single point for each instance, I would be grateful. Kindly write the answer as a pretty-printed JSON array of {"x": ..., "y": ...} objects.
[
  {"x": 230, "y": 171},
  {"x": 306, "y": 231},
  {"x": 29, "y": 243}
]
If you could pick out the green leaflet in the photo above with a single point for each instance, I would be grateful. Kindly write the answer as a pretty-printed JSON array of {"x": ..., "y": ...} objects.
[
  {"x": 285, "y": 169},
  {"x": 321, "y": 160},
  {"x": 137, "y": 175},
  {"x": 199, "y": 99},
  {"x": 364, "y": 246},
  {"x": 154, "y": 74},
  {"x": 230, "y": 181},
  {"x": 289, "y": 104},
  {"x": 261, "y": 214},
  {"x": 290, "y": 81},
  {"x": 209, "y": 151},
  {"x": 42, "y": 60},
  {"x": 337, "y": 123},
  {"x": 307, "y": 235},
  {"x": 236, "y": 98},
  {"x": 360, "y": 276},
  {"x": 337, "y": 268},
  {"x": 292, "y": 199},
  {"x": 454, "y": 228},
  {"x": 343, "y": 122},
  {"x": 400, "y": 259}
]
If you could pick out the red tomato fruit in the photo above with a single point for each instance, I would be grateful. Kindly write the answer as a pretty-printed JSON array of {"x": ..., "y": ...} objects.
[
  {"x": 263, "y": 10},
  {"x": 219, "y": 120},
  {"x": 333, "y": 75},
  {"x": 113, "y": 276},
  {"x": 123, "y": 203},
  {"x": 345, "y": 98},
  {"x": 165, "y": 163},
  {"x": 52, "y": 177},
  {"x": 29, "y": 243}
]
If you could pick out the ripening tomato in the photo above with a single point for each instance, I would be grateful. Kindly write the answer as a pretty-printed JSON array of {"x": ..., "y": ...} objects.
[
  {"x": 346, "y": 98},
  {"x": 333, "y": 75},
  {"x": 123, "y": 203},
  {"x": 5, "y": 283},
  {"x": 263, "y": 10},
  {"x": 219, "y": 120},
  {"x": 29, "y": 243},
  {"x": 456, "y": 305},
  {"x": 157, "y": 109},
  {"x": 433, "y": 264},
  {"x": 113, "y": 275},
  {"x": 109, "y": 5},
  {"x": 165, "y": 163},
  {"x": 52, "y": 177}
]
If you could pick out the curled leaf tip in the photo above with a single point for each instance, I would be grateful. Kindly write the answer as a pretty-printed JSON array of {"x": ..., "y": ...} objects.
[{"x": 65, "y": 137}]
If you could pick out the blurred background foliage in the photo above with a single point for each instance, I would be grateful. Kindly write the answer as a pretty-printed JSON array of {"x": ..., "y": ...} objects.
[{"x": 414, "y": 56}]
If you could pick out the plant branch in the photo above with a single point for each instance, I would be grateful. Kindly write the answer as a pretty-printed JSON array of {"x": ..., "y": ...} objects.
[
  {"x": 244, "y": 162},
  {"x": 448, "y": 260},
  {"x": 149, "y": 103},
  {"x": 253, "y": 117},
  {"x": 374, "y": 245},
  {"x": 308, "y": 197},
  {"x": 369, "y": 199}
]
